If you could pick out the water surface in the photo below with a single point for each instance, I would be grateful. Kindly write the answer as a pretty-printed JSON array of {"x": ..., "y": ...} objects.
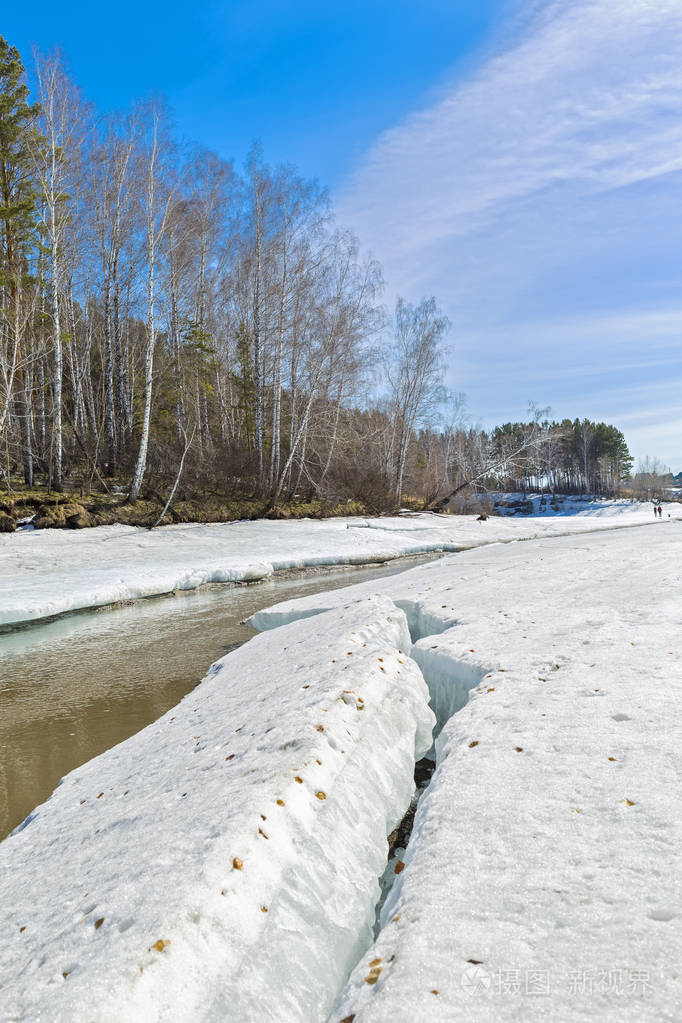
[{"x": 72, "y": 688}]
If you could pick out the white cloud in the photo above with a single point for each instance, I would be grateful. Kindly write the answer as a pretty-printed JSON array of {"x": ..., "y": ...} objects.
[{"x": 540, "y": 201}]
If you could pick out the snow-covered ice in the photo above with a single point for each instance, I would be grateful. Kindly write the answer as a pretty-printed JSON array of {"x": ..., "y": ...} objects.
[
  {"x": 543, "y": 879},
  {"x": 223, "y": 863},
  {"x": 548, "y": 505},
  {"x": 52, "y": 571}
]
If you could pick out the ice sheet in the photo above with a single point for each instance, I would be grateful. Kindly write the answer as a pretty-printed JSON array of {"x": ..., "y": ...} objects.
[
  {"x": 542, "y": 879},
  {"x": 224, "y": 862},
  {"x": 52, "y": 571}
]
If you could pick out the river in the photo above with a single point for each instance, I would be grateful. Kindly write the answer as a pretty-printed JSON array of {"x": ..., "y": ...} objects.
[{"x": 76, "y": 686}]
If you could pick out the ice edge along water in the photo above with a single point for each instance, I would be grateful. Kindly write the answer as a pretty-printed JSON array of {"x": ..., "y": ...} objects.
[
  {"x": 51, "y": 572},
  {"x": 450, "y": 679},
  {"x": 542, "y": 876},
  {"x": 224, "y": 862},
  {"x": 440, "y": 662}
]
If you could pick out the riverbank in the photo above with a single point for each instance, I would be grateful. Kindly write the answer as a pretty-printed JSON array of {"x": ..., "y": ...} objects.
[
  {"x": 76, "y": 509},
  {"x": 226, "y": 859},
  {"x": 75, "y": 686},
  {"x": 401, "y": 562},
  {"x": 243, "y": 792},
  {"x": 542, "y": 877},
  {"x": 44, "y": 573}
]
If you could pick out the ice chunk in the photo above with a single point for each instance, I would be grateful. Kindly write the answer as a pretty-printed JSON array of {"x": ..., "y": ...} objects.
[
  {"x": 224, "y": 862},
  {"x": 541, "y": 879}
]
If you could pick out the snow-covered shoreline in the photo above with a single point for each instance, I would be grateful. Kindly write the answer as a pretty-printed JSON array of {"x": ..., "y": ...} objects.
[
  {"x": 224, "y": 862},
  {"x": 542, "y": 880},
  {"x": 51, "y": 572}
]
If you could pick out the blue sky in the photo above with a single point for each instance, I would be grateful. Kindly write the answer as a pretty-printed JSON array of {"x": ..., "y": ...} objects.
[
  {"x": 519, "y": 159},
  {"x": 315, "y": 82}
]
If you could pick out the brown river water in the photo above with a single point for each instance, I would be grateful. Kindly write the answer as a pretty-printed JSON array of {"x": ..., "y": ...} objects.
[{"x": 76, "y": 686}]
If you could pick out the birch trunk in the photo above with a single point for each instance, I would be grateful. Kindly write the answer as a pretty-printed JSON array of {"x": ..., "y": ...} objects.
[
  {"x": 153, "y": 235},
  {"x": 109, "y": 380}
]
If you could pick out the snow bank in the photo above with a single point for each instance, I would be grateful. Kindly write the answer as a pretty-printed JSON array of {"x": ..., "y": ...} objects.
[
  {"x": 542, "y": 875},
  {"x": 224, "y": 862},
  {"x": 50, "y": 572},
  {"x": 562, "y": 505}
]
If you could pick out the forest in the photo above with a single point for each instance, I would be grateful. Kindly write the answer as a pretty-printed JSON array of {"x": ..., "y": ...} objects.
[{"x": 174, "y": 329}]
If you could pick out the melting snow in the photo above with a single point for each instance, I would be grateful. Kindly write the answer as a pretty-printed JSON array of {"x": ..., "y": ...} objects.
[
  {"x": 542, "y": 878},
  {"x": 224, "y": 863},
  {"x": 52, "y": 571}
]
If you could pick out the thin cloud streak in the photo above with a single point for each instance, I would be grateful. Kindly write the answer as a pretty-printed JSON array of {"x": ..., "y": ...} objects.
[{"x": 538, "y": 200}]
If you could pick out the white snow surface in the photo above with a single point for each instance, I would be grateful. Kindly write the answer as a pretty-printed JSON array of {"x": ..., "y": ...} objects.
[
  {"x": 223, "y": 863},
  {"x": 543, "y": 878},
  {"x": 547, "y": 505},
  {"x": 53, "y": 571}
]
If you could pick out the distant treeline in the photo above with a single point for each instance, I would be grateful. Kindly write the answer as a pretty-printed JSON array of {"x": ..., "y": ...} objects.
[
  {"x": 571, "y": 457},
  {"x": 161, "y": 311}
]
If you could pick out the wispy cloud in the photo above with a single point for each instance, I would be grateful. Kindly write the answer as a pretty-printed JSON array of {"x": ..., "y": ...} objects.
[{"x": 540, "y": 201}]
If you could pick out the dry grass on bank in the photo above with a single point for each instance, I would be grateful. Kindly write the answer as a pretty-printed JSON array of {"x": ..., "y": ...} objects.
[{"x": 75, "y": 509}]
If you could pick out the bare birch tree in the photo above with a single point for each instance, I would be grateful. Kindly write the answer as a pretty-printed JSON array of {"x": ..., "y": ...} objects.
[
  {"x": 159, "y": 196},
  {"x": 414, "y": 373},
  {"x": 63, "y": 123}
]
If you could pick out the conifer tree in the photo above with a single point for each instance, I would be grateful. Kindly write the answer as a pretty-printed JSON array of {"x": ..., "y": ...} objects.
[{"x": 18, "y": 227}]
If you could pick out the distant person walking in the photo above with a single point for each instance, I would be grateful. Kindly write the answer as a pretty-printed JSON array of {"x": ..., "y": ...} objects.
[
  {"x": 655, "y": 511},
  {"x": 660, "y": 512}
]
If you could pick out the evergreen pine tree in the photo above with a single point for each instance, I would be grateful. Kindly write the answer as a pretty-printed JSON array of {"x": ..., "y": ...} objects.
[{"x": 18, "y": 226}]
